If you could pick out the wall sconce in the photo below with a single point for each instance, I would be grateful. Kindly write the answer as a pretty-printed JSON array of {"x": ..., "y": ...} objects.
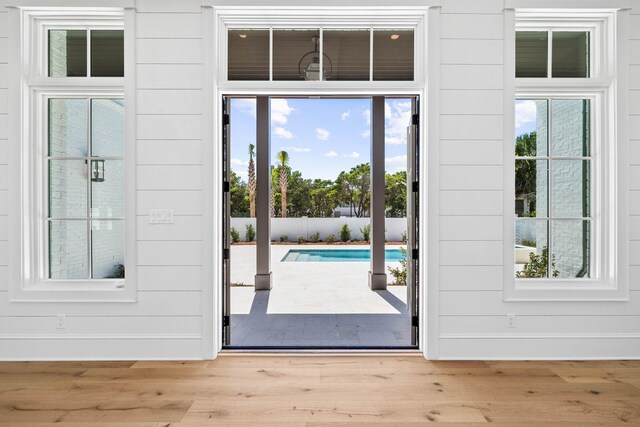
[{"x": 97, "y": 170}]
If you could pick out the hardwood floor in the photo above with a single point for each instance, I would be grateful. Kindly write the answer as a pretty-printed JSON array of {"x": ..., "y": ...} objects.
[{"x": 306, "y": 391}]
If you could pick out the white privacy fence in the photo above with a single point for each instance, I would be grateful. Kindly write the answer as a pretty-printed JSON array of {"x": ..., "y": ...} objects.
[{"x": 305, "y": 227}]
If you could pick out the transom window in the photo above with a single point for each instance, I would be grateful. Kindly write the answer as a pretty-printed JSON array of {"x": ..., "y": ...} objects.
[
  {"x": 85, "y": 181},
  {"x": 553, "y": 176},
  {"x": 553, "y": 53},
  {"x": 289, "y": 54},
  {"x": 85, "y": 53}
]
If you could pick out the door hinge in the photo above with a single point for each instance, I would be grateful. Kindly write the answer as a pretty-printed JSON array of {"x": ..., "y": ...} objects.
[
  {"x": 415, "y": 322},
  {"x": 414, "y": 254},
  {"x": 226, "y": 253},
  {"x": 415, "y": 119},
  {"x": 226, "y": 187},
  {"x": 226, "y": 320},
  {"x": 226, "y": 119},
  {"x": 415, "y": 186}
]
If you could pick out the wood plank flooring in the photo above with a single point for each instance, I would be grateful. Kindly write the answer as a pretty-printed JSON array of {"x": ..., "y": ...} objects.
[{"x": 315, "y": 391}]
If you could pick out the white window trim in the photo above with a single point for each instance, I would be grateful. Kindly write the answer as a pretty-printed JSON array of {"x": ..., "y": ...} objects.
[
  {"x": 229, "y": 18},
  {"x": 31, "y": 86},
  {"x": 606, "y": 89},
  {"x": 428, "y": 41}
]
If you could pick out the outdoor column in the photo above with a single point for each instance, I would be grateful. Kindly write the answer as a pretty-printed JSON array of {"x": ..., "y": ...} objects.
[
  {"x": 263, "y": 189},
  {"x": 377, "y": 274}
]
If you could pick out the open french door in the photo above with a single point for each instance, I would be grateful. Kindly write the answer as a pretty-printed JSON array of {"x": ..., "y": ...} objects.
[
  {"x": 413, "y": 160},
  {"x": 226, "y": 224}
]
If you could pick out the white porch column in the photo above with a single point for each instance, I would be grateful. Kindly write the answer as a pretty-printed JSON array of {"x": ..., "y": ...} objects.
[
  {"x": 263, "y": 189},
  {"x": 377, "y": 274}
]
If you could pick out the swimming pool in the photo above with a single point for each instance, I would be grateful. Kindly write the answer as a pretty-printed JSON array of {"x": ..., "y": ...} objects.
[{"x": 337, "y": 255}]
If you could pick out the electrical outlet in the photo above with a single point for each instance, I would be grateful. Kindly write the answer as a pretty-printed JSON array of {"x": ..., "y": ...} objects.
[
  {"x": 511, "y": 320},
  {"x": 61, "y": 321}
]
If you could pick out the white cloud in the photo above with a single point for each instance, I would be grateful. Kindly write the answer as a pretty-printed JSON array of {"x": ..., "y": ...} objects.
[
  {"x": 245, "y": 105},
  {"x": 366, "y": 115},
  {"x": 353, "y": 155},
  {"x": 331, "y": 154},
  {"x": 365, "y": 133},
  {"x": 344, "y": 116},
  {"x": 282, "y": 133},
  {"x": 398, "y": 163},
  {"x": 297, "y": 149},
  {"x": 525, "y": 112},
  {"x": 238, "y": 162},
  {"x": 322, "y": 134},
  {"x": 280, "y": 111},
  {"x": 243, "y": 174},
  {"x": 398, "y": 118}
]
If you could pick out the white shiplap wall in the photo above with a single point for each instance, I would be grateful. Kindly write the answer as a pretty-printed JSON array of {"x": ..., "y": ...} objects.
[
  {"x": 4, "y": 157},
  {"x": 166, "y": 321},
  {"x": 472, "y": 321}
]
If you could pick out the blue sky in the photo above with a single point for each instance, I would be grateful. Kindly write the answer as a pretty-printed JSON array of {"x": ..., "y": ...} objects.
[
  {"x": 322, "y": 136},
  {"x": 525, "y": 116}
]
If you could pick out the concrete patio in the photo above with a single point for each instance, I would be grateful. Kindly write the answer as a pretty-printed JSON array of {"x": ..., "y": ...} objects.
[{"x": 325, "y": 304}]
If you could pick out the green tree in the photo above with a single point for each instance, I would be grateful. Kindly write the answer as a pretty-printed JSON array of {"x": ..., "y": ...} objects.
[
  {"x": 526, "y": 170},
  {"x": 251, "y": 174},
  {"x": 238, "y": 196},
  {"x": 322, "y": 198},
  {"x": 353, "y": 188},
  {"x": 396, "y": 194},
  {"x": 283, "y": 170}
]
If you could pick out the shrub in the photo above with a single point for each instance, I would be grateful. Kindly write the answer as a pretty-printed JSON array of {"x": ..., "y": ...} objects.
[
  {"x": 250, "y": 233},
  {"x": 331, "y": 238},
  {"x": 235, "y": 235},
  {"x": 301, "y": 239},
  {"x": 345, "y": 233},
  {"x": 529, "y": 243},
  {"x": 366, "y": 232},
  {"x": 404, "y": 236},
  {"x": 537, "y": 265},
  {"x": 400, "y": 274},
  {"x": 284, "y": 238},
  {"x": 315, "y": 236}
]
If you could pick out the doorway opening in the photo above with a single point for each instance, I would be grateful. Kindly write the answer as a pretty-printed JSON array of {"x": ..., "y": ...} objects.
[{"x": 320, "y": 222}]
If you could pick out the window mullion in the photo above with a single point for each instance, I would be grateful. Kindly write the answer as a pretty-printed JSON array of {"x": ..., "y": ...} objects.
[
  {"x": 549, "y": 53},
  {"x": 89, "y": 189},
  {"x": 88, "y": 52},
  {"x": 549, "y": 186}
]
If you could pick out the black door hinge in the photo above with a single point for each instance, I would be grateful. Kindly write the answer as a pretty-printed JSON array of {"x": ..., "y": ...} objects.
[
  {"x": 415, "y": 119},
  {"x": 225, "y": 320},
  {"x": 226, "y": 253},
  {"x": 226, "y": 187},
  {"x": 414, "y": 254},
  {"x": 415, "y": 186},
  {"x": 226, "y": 119},
  {"x": 415, "y": 322}
]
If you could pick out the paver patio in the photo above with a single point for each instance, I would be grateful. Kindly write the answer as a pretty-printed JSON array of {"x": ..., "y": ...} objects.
[{"x": 325, "y": 304}]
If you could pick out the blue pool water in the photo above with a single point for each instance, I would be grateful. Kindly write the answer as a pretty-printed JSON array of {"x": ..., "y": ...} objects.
[{"x": 337, "y": 255}]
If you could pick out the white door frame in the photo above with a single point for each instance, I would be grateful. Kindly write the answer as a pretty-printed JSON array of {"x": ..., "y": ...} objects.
[{"x": 216, "y": 21}]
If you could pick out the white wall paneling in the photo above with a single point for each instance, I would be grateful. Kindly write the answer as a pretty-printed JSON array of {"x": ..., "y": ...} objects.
[{"x": 175, "y": 100}]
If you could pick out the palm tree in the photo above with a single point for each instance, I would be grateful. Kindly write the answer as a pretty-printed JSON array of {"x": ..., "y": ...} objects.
[
  {"x": 272, "y": 203},
  {"x": 252, "y": 182},
  {"x": 283, "y": 158}
]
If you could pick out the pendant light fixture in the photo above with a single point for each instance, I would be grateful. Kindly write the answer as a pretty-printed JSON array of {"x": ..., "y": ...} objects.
[{"x": 309, "y": 64}]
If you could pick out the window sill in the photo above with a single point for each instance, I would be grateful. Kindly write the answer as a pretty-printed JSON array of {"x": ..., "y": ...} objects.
[
  {"x": 565, "y": 290},
  {"x": 110, "y": 290}
]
